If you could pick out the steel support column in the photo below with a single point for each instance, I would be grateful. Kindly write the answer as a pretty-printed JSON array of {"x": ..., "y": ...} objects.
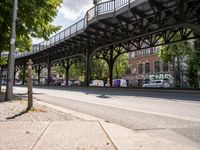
[
  {"x": 39, "y": 71},
  {"x": 67, "y": 67},
  {"x": 111, "y": 65},
  {"x": 23, "y": 73},
  {"x": 87, "y": 68},
  {"x": 49, "y": 73}
]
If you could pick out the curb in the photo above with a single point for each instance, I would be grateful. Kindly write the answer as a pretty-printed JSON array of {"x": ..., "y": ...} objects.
[{"x": 68, "y": 111}]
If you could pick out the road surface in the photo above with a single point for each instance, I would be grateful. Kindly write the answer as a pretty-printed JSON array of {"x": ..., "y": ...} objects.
[{"x": 135, "y": 109}]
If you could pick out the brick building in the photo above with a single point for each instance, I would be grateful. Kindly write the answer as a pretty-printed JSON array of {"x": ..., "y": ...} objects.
[{"x": 146, "y": 66}]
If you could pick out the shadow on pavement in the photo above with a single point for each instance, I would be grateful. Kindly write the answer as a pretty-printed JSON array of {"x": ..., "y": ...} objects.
[
  {"x": 17, "y": 115},
  {"x": 170, "y": 94}
]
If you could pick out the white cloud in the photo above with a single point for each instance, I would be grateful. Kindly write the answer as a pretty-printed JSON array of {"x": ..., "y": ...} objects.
[
  {"x": 70, "y": 12},
  {"x": 72, "y": 9}
]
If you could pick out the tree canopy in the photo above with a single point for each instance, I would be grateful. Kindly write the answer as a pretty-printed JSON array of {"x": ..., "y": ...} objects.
[
  {"x": 180, "y": 54},
  {"x": 177, "y": 50},
  {"x": 194, "y": 65},
  {"x": 34, "y": 20},
  {"x": 120, "y": 66}
]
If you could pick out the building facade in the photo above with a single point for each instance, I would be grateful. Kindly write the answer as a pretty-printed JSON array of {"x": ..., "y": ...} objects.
[{"x": 146, "y": 66}]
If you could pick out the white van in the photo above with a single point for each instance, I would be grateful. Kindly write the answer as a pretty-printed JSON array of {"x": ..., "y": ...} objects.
[
  {"x": 123, "y": 83},
  {"x": 157, "y": 84},
  {"x": 97, "y": 83}
]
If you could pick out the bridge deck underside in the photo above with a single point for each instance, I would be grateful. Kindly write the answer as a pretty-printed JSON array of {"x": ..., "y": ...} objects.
[{"x": 139, "y": 25}]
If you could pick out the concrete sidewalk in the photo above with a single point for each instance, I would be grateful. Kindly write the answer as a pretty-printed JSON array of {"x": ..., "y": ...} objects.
[
  {"x": 88, "y": 133},
  {"x": 84, "y": 135}
]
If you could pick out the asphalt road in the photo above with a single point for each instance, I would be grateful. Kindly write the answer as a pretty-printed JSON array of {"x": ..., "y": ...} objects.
[{"x": 135, "y": 109}]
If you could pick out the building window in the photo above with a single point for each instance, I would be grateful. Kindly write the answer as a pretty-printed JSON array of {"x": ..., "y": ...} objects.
[
  {"x": 151, "y": 50},
  {"x": 147, "y": 68},
  {"x": 165, "y": 67},
  {"x": 157, "y": 66},
  {"x": 136, "y": 54},
  {"x": 140, "y": 53},
  {"x": 140, "y": 68},
  {"x": 147, "y": 51}
]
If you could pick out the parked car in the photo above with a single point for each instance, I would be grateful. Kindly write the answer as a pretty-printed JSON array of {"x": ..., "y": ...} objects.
[
  {"x": 35, "y": 82},
  {"x": 157, "y": 84},
  {"x": 18, "y": 82},
  {"x": 3, "y": 82},
  {"x": 76, "y": 83},
  {"x": 97, "y": 83},
  {"x": 69, "y": 83},
  {"x": 58, "y": 82}
]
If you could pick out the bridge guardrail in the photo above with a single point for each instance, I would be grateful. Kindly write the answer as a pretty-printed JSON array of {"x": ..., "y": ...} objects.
[{"x": 94, "y": 12}]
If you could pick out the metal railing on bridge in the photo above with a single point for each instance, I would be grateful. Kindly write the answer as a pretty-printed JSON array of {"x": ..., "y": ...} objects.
[{"x": 94, "y": 12}]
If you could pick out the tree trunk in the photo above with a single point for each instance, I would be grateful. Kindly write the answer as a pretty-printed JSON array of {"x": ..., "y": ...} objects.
[
  {"x": 30, "y": 91},
  {"x": 0, "y": 73},
  {"x": 11, "y": 56}
]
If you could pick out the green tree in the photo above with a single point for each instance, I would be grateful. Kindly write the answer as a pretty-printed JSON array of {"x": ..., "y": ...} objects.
[
  {"x": 194, "y": 65},
  {"x": 120, "y": 66},
  {"x": 175, "y": 53},
  {"x": 77, "y": 70},
  {"x": 35, "y": 19},
  {"x": 60, "y": 70},
  {"x": 99, "y": 69}
]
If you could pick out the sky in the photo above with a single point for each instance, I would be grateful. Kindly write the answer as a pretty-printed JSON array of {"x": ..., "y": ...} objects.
[{"x": 69, "y": 13}]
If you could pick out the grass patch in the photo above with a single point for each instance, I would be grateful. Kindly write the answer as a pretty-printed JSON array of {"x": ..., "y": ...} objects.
[{"x": 34, "y": 109}]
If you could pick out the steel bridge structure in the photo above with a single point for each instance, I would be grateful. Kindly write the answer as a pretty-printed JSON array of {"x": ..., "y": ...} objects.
[{"x": 114, "y": 27}]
